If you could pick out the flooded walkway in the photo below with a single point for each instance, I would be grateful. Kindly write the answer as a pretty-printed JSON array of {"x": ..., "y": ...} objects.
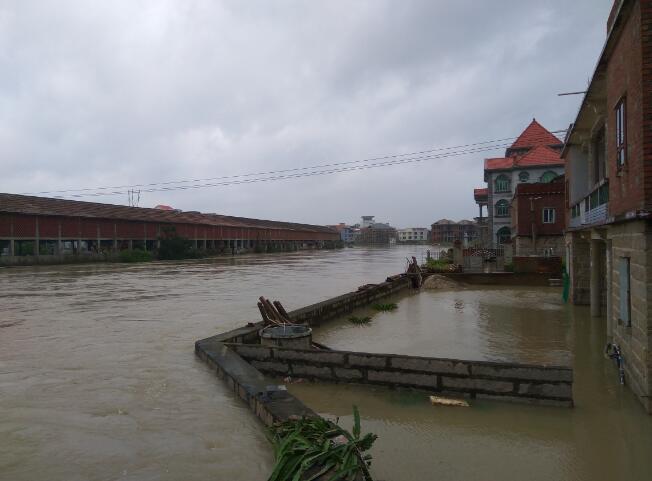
[{"x": 98, "y": 378}]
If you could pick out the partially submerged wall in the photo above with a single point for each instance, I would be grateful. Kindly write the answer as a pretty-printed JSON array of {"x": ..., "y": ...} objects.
[
  {"x": 269, "y": 402},
  {"x": 549, "y": 385},
  {"x": 500, "y": 278},
  {"x": 320, "y": 312}
]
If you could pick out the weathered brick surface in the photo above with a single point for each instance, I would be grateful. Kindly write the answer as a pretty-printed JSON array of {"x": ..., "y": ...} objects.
[
  {"x": 317, "y": 357},
  {"x": 522, "y": 373},
  {"x": 477, "y": 384},
  {"x": 430, "y": 365},
  {"x": 546, "y": 390},
  {"x": 403, "y": 378},
  {"x": 271, "y": 366},
  {"x": 367, "y": 360},
  {"x": 347, "y": 373},
  {"x": 253, "y": 351},
  {"x": 312, "y": 371}
]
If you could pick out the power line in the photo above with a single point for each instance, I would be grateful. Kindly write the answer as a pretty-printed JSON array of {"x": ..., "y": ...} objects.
[
  {"x": 95, "y": 190},
  {"x": 302, "y": 174}
]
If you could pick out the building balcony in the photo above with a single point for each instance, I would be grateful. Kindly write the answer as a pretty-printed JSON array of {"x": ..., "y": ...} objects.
[{"x": 592, "y": 210}]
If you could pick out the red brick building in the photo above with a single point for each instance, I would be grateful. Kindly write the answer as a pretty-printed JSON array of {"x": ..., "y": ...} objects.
[
  {"x": 43, "y": 228},
  {"x": 608, "y": 154},
  {"x": 538, "y": 219}
]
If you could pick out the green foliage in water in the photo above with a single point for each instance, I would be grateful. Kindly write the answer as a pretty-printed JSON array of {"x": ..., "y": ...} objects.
[
  {"x": 135, "y": 255},
  {"x": 359, "y": 320},
  {"x": 311, "y": 447},
  {"x": 176, "y": 248},
  {"x": 439, "y": 265},
  {"x": 390, "y": 306}
]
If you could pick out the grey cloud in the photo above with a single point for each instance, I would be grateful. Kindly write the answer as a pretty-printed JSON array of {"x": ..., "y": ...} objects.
[{"x": 113, "y": 93}]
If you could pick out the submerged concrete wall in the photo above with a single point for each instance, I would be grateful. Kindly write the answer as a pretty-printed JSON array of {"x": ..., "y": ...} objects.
[
  {"x": 549, "y": 385},
  {"x": 320, "y": 312},
  {"x": 268, "y": 401}
]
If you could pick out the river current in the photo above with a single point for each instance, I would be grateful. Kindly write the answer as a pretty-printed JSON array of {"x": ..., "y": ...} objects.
[{"x": 99, "y": 381}]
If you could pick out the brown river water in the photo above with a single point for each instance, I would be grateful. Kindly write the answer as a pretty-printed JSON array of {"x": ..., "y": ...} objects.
[{"x": 98, "y": 378}]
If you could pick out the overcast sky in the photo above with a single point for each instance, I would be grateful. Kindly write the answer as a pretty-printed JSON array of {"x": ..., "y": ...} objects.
[{"x": 130, "y": 92}]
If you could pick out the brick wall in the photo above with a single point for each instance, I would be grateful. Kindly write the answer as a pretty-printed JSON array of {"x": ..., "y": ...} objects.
[
  {"x": 475, "y": 379},
  {"x": 528, "y": 205},
  {"x": 646, "y": 55},
  {"x": 624, "y": 79}
]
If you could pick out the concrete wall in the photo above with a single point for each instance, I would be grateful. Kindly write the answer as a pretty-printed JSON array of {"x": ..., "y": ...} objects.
[
  {"x": 500, "y": 278},
  {"x": 320, "y": 312},
  {"x": 634, "y": 240},
  {"x": 579, "y": 267},
  {"x": 535, "y": 264},
  {"x": 504, "y": 381}
]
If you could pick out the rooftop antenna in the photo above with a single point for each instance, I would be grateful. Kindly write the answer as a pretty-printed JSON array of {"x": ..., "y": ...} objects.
[{"x": 571, "y": 93}]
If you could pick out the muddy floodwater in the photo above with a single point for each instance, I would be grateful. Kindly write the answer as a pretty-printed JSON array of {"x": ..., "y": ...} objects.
[{"x": 98, "y": 378}]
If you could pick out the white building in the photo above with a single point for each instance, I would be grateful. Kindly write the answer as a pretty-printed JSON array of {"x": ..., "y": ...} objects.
[
  {"x": 533, "y": 157},
  {"x": 413, "y": 234}
]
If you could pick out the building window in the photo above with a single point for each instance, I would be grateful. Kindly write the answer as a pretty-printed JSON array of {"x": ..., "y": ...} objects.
[
  {"x": 547, "y": 177},
  {"x": 625, "y": 293},
  {"x": 621, "y": 134},
  {"x": 503, "y": 235},
  {"x": 548, "y": 215},
  {"x": 523, "y": 176},
  {"x": 502, "y": 183},
  {"x": 502, "y": 208}
]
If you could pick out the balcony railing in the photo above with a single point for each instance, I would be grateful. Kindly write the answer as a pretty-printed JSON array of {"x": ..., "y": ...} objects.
[{"x": 593, "y": 209}]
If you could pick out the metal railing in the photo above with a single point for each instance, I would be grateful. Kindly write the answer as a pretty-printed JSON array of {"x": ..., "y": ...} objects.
[{"x": 593, "y": 209}]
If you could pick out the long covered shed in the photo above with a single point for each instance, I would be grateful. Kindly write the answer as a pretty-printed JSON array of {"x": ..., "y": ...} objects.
[{"x": 40, "y": 226}]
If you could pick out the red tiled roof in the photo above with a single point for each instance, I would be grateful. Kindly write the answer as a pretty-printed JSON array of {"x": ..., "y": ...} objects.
[
  {"x": 538, "y": 156},
  {"x": 499, "y": 163},
  {"x": 24, "y": 204},
  {"x": 534, "y": 135},
  {"x": 541, "y": 155}
]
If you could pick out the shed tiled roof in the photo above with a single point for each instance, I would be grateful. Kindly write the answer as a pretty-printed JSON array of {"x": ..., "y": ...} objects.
[{"x": 30, "y": 205}]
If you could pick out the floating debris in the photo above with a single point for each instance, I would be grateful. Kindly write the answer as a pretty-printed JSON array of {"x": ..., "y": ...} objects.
[{"x": 445, "y": 401}]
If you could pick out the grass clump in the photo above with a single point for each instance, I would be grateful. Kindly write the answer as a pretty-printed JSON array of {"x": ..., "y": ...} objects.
[
  {"x": 135, "y": 255},
  {"x": 308, "y": 448},
  {"x": 359, "y": 320},
  {"x": 439, "y": 265},
  {"x": 389, "y": 306}
]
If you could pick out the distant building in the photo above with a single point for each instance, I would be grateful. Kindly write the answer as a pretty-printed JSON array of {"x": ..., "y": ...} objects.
[
  {"x": 538, "y": 218},
  {"x": 346, "y": 232},
  {"x": 376, "y": 234},
  {"x": 446, "y": 231},
  {"x": 413, "y": 234},
  {"x": 367, "y": 220},
  {"x": 533, "y": 157}
]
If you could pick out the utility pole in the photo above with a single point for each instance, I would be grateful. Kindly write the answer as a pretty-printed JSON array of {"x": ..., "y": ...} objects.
[{"x": 133, "y": 197}]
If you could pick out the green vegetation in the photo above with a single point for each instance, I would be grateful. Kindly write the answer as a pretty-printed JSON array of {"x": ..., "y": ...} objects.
[
  {"x": 439, "y": 265},
  {"x": 176, "y": 248},
  {"x": 359, "y": 320},
  {"x": 135, "y": 255},
  {"x": 390, "y": 306},
  {"x": 308, "y": 448}
]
